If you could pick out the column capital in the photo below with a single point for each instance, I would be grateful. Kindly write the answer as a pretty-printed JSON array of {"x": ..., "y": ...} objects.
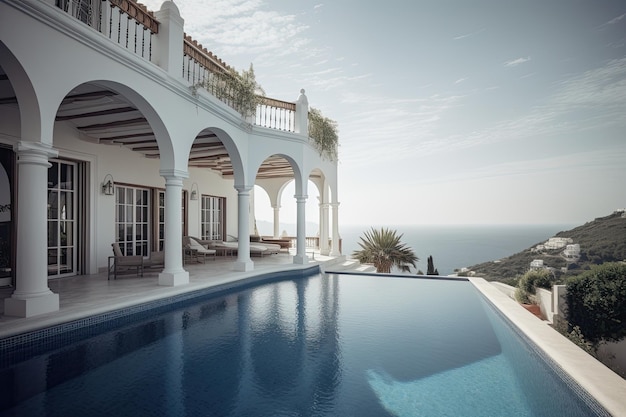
[
  {"x": 169, "y": 174},
  {"x": 241, "y": 189},
  {"x": 34, "y": 153},
  {"x": 301, "y": 198}
]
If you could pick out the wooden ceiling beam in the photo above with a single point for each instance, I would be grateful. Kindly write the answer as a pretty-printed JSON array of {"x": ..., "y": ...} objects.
[
  {"x": 117, "y": 123},
  {"x": 107, "y": 112}
]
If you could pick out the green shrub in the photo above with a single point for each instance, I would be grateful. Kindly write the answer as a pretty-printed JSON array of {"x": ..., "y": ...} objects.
[
  {"x": 529, "y": 282},
  {"x": 596, "y": 302}
]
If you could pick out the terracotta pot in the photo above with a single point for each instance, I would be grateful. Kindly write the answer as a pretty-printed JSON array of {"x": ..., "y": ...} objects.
[{"x": 534, "y": 309}]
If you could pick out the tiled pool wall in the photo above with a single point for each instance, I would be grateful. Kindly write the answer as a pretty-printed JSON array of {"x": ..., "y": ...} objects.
[
  {"x": 25, "y": 345},
  {"x": 543, "y": 357}
]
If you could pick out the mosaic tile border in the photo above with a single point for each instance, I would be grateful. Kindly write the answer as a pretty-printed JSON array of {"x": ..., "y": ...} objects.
[
  {"x": 567, "y": 379},
  {"x": 22, "y": 346}
]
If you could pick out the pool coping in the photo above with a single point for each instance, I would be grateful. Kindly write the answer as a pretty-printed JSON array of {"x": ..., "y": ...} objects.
[{"x": 604, "y": 385}]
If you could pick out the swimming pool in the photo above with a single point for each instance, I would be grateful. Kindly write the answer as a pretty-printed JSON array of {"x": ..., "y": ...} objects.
[{"x": 319, "y": 345}]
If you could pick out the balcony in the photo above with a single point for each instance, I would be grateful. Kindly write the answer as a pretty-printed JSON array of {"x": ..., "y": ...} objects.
[{"x": 133, "y": 27}]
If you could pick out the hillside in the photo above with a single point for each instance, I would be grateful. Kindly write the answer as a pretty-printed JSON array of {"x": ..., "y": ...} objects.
[{"x": 601, "y": 240}]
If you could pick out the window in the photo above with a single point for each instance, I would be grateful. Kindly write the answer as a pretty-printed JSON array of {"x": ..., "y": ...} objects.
[
  {"x": 132, "y": 220},
  {"x": 62, "y": 219},
  {"x": 212, "y": 220}
]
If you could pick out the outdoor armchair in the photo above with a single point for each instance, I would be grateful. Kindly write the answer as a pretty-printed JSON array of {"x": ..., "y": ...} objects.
[{"x": 123, "y": 263}]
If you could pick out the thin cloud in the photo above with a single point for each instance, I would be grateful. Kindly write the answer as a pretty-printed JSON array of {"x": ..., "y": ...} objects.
[
  {"x": 241, "y": 28},
  {"x": 460, "y": 80},
  {"x": 616, "y": 20},
  {"x": 568, "y": 163},
  {"x": 516, "y": 62},
  {"x": 468, "y": 35}
]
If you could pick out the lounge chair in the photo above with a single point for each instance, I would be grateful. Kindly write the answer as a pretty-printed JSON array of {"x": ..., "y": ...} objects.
[
  {"x": 271, "y": 248},
  {"x": 230, "y": 248},
  {"x": 197, "y": 250},
  {"x": 156, "y": 260},
  {"x": 123, "y": 263}
]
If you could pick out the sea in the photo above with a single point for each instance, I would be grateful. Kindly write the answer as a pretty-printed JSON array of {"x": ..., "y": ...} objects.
[
  {"x": 459, "y": 246},
  {"x": 451, "y": 246}
]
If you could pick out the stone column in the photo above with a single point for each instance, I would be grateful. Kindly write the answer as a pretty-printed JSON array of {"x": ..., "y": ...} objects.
[
  {"x": 324, "y": 249},
  {"x": 32, "y": 295},
  {"x": 300, "y": 256},
  {"x": 335, "y": 249},
  {"x": 244, "y": 263},
  {"x": 173, "y": 273},
  {"x": 276, "y": 221}
]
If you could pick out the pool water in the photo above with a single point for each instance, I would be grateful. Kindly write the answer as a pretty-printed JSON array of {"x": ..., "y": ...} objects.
[{"x": 324, "y": 345}]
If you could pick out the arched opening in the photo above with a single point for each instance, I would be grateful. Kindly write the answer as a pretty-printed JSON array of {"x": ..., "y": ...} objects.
[{"x": 265, "y": 211}]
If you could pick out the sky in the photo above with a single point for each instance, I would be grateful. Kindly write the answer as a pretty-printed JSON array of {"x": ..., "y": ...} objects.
[{"x": 449, "y": 111}]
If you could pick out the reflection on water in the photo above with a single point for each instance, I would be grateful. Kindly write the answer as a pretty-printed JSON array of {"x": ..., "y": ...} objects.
[{"x": 326, "y": 345}]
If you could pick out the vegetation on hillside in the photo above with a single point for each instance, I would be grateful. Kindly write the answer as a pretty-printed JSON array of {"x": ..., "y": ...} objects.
[
  {"x": 601, "y": 240},
  {"x": 596, "y": 303},
  {"x": 383, "y": 248}
]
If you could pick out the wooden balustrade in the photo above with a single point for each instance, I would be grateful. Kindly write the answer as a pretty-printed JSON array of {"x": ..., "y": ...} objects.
[
  {"x": 139, "y": 13},
  {"x": 276, "y": 114}
]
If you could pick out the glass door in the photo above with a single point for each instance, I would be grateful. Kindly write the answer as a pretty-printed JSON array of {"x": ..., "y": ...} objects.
[
  {"x": 6, "y": 217},
  {"x": 132, "y": 220},
  {"x": 62, "y": 219}
]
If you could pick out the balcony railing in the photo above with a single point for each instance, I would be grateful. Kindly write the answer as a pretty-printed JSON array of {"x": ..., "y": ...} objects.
[
  {"x": 276, "y": 114},
  {"x": 312, "y": 242},
  {"x": 125, "y": 22},
  {"x": 133, "y": 26}
]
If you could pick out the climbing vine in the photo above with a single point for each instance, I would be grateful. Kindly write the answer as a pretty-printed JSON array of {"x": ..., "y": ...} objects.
[
  {"x": 323, "y": 132},
  {"x": 239, "y": 90}
]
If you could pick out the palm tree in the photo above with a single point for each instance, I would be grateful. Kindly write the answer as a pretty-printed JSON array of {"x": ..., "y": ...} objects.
[{"x": 384, "y": 249}]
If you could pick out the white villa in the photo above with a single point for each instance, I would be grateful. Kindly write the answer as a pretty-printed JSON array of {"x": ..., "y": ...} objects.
[
  {"x": 536, "y": 264},
  {"x": 572, "y": 251},
  {"x": 106, "y": 138},
  {"x": 554, "y": 243}
]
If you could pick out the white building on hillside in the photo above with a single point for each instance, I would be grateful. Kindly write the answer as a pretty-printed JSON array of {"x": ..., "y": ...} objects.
[
  {"x": 105, "y": 137},
  {"x": 557, "y": 243},
  {"x": 572, "y": 251},
  {"x": 537, "y": 264}
]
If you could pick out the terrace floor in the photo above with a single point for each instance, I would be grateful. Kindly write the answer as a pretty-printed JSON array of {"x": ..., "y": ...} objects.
[{"x": 84, "y": 295}]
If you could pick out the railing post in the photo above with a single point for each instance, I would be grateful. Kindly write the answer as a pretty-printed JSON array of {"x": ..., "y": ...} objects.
[
  {"x": 105, "y": 18},
  {"x": 302, "y": 114},
  {"x": 168, "y": 50}
]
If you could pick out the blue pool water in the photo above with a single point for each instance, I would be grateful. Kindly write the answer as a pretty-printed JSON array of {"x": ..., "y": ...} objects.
[{"x": 323, "y": 345}]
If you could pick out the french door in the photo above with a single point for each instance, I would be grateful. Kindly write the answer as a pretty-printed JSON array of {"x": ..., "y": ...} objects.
[
  {"x": 62, "y": 216},
  {"x": 132, "y": 219},
  {"x": 212, "y": 220}
]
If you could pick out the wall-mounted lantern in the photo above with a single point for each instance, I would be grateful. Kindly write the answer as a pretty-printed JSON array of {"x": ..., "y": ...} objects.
[{"x": 107, "y": 185}]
